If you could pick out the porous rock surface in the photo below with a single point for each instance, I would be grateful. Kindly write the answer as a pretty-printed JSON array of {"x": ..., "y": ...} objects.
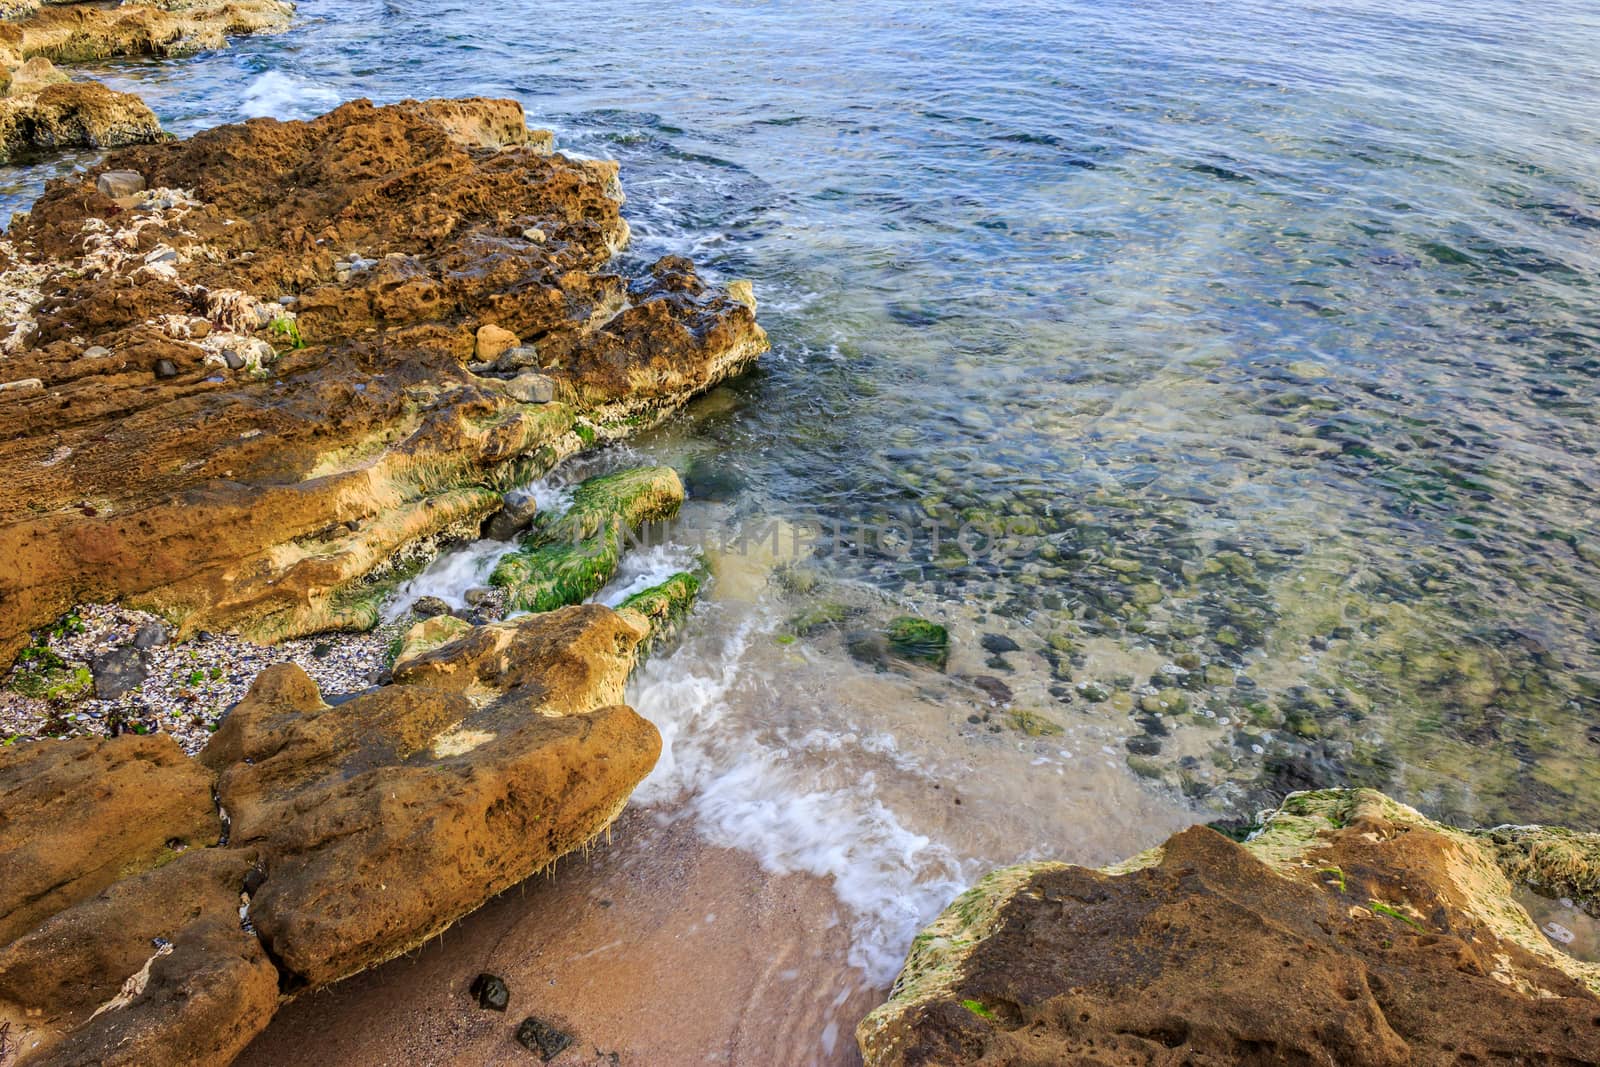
[
  {"x": 254, "y": 389},
  {"x": 164, "y": 926},
  {"x": 1350, "y": 931}
]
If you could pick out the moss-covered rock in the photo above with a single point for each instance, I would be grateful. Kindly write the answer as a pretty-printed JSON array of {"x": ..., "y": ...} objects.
[
  {"x": 662, "y": 608},
  {"x": 570, "y": 558},
  {"x": 920, "y": 640}
]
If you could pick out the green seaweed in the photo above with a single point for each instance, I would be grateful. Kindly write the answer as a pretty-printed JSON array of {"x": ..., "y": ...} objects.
[
  {"x": 568, "y": 559},
  {"x": 918, "y": 639}
]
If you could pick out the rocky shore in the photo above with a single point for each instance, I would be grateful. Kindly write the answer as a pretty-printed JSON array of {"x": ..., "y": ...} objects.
[{"x": 253, "y": 381}]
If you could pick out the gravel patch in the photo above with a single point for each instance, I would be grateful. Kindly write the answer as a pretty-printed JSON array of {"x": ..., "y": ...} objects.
[{"x": 186, "y": 688}]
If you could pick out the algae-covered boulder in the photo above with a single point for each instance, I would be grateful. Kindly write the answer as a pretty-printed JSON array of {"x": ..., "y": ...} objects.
[
  {"x": 570, "y": 558},
  {"x": 1349, "y": 930}
]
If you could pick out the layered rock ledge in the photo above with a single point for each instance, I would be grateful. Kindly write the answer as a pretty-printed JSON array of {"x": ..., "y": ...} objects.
[
  {"x": 1348, "y": 930},
  {"x": 247, "y": 377},
  {"x": 41, "y": 109},
  {"x": 156, "y": 909}
]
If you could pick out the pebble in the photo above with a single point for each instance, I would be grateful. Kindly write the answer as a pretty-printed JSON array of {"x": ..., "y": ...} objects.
[
  {"x": 165, "y": 368},
  {"x": 187, "y": 686},
  {"x": 119, "y": 183}
]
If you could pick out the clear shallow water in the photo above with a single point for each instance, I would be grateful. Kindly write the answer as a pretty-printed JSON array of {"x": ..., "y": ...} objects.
[{"x": 1268, "y": 332}]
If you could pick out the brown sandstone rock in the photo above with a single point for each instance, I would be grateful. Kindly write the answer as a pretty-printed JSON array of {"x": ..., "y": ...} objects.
[
  {"x": 355, "y": 833},
  {"x": 76, "y": 816},
  {"x": 382, "y": 821},
  {"x": 155, "y": 970},
  {"x": 73, "y": 115},
  {"x": 296, "y": 450},
  {"x": 492, "y": 341},
  {"x": 81, "y": 32},
  {"x": 1351, "y": 931}
]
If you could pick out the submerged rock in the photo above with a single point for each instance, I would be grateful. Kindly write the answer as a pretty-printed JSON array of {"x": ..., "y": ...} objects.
[
  {"x": 573, "y": 557},
  {"x": 352, "y": 437},
  {"x": 1349, "y": 929}
]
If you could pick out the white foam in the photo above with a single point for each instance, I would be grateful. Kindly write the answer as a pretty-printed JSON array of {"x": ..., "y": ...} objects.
[
  {"x": 456, "y": 570},
  {"x": 450, "y": 575},
  {"x": 745, "y": 792},
  {"x": 275, "y": 94},
  {"x": 642, "y": 569}
]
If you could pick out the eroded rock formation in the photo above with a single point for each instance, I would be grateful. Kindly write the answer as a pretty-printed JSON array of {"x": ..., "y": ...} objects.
[
  {"x": 150, "y": 924},
  {"x": 247, "y": 394},
  {"x": 1351, "y": 930},
  {"x": 42, "y": 110}
]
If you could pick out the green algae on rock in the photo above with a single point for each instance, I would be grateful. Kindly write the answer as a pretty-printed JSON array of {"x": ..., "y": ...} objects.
[
  {"x": 1205, "y": 948},
  {"x": 914, "y": 638},
  {"x": 569, "y": 559}
]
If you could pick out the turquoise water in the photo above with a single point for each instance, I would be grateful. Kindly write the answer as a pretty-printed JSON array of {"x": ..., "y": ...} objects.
[{"x": 1268, "y": 333}]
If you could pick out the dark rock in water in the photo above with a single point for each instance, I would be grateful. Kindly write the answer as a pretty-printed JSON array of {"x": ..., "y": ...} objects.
[
  {"x": 478, "y": 594},
  {"x": 150, "y": 635},
  {"x": 517, "y": 514},
  {"x": 999, "y": 643},
  {"x": 426, "y": 607},
  {"x": 535, "y": 1035},
  {"x": 868, "y": 648},
  {"x": 165, "y": 368},
  {"x": 491, "y": 992},
  {"x": 998, "y": 691},
  {"x": 117, "y": 672}
]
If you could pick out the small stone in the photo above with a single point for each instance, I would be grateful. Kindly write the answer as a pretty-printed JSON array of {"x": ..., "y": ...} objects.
[
  {"x": 117, "y": 672},
  {"x": 534, "y": 234},
  {"x": 150, "y": 635},
  {"x": 997, "y": 690},
  {"x": 492, "y": 341},
  {"x": 518, "y": 358},
  {"x": 427, "y": 607},
  {"x": 532, "y": 388},
  {"x": 517, "y": 514},
  {"x": 165, "y": 368},
  {"x": 1143, "y": 746},
  {"x": 999, "y": 643},
  {"x": 491, "y": 992},
  {"x": 96, "y": 352},
  {"x": 22, "y": 387},
  {"x": 120, "y": 183},
  {"x": 535, "y": 1035},
  {"x": 478, "y": 594},
  {"x": 232, "y": 359}
]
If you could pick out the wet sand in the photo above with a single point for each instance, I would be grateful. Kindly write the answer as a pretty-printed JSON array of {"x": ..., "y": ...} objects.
[{"x": 656, "y": 947}]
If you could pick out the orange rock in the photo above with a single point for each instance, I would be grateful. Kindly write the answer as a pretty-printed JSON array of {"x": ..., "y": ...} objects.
[{"x": 492, "y": 341}]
